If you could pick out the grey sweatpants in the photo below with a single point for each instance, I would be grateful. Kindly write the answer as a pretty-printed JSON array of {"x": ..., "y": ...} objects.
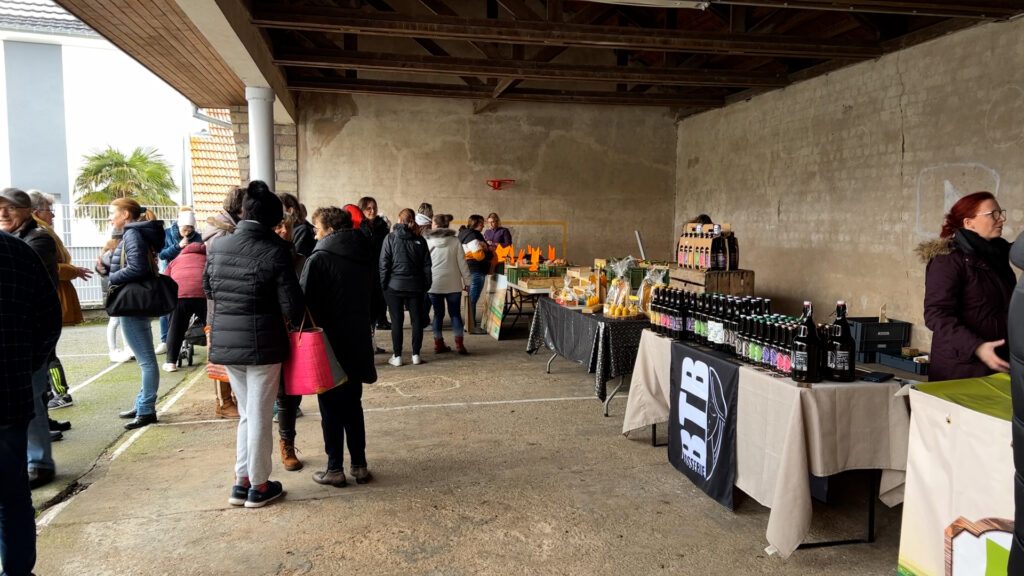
[{"x": 255, "y": 388}]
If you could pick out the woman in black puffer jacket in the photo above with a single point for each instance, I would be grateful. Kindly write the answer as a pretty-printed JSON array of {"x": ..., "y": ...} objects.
[
  {"x": 251, "y": 279},
  {"x": 405, "y": 279},
  {"x": 1016, "y": 342},
  {"x": 134, "y": 260}
]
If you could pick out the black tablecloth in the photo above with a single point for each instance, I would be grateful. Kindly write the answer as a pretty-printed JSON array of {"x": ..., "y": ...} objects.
[{"x": 605, "y": 346}]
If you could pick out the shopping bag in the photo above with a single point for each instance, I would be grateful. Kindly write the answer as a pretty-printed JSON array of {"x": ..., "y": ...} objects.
[
  {"x": 308, "y": 368},
  {"x": 338, "y": 375}
]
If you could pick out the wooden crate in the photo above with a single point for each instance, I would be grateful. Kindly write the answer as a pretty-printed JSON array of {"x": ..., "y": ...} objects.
[
  {"x": 539, "y": 282},
  {"x": 732, "y": 282}
]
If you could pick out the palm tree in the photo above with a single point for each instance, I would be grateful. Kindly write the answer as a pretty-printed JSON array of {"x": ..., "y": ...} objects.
[{"x": 143, "y": 176}]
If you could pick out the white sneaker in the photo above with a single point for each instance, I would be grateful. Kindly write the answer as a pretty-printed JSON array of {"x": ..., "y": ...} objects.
[
  {"x": 416, "y": 360},
  {"x": 161, "y": 349},
  {"x": 120, "y": 356},
  {"x": 395, "y": 361},
  {"x": 169, "y": 367}
]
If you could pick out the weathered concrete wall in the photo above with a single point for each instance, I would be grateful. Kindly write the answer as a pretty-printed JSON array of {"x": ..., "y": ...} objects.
[
  {"x": 602, "y": 171},
  {"x": 831, "y": 183}
]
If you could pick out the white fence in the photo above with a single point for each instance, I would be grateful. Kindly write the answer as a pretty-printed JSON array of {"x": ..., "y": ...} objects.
[{"x": 84, "y": 230}]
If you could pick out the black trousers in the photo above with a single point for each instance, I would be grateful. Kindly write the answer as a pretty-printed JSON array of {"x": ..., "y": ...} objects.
[
  {"x": 179, "y": 323},
  {"x": 287, "y": 411},
  {"x": 341, "y": 413},
  {"x": 397, "y": 302}
]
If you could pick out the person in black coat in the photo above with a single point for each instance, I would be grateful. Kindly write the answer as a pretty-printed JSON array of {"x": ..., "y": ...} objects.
[
  {"x": 251, "y": 279},
  {"x": 376, "y": 227},
  {"x": 405, "y": 278},
  {"x": 134, "y": 260},
  {"x": 337, "y": 281},
  {"x": 29, "y": 329},
  {"x": 1016, "y": 345}
]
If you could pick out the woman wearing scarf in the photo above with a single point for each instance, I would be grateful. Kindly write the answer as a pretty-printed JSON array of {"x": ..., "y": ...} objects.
[{"x": 968, "y": 285}]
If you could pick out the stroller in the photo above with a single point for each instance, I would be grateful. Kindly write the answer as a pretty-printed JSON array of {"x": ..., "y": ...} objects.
[{"x": 194, "y": 336}]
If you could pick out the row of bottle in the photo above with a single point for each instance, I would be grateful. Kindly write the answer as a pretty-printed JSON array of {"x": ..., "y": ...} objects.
[
  {"x": 708, "y": 250},
  {"x": 745, "y": 326}
]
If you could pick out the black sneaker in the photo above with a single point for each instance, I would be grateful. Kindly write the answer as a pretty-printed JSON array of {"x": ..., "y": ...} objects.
[
  {"x": 141, "y": 421},
  {"x": 383, "y": 325},
  {"x": 56, "y": 436},
  {"x": 259, "y": 499},
  {"x": 238, "y": 495}
]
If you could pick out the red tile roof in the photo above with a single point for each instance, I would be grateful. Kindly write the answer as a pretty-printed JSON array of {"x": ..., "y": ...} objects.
[{"x": 214, "y": 165}]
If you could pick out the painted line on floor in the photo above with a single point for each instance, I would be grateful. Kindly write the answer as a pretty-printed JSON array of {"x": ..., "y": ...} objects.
[
  {"x": 78, "y": 387},
  {"x": 164, "y": 407},
  {"x": 81, "y": 355},
  {"x": 50, "y": 514},
  {"x": 482, "y": 403}
]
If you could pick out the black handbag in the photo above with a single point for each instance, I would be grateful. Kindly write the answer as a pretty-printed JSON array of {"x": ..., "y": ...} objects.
[{"x": 152, "y": 297}]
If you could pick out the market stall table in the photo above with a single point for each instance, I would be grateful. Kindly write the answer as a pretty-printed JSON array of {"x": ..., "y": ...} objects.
[
  {"x": 607, "y": 347},
  {"x": 785, "y": 433},
  {"x": 518, "y": 296}
]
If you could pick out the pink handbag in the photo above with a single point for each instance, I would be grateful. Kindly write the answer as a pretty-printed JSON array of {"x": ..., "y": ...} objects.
[{"x": 308, "y": 369}]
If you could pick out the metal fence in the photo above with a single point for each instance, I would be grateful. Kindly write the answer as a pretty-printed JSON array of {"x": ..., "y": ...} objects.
[{"x": 84, "y": 229}]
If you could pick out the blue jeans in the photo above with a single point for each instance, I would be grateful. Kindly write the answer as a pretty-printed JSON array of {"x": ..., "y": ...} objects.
[
  {"x": 138, "y": 333},
  {"x": 454, "y": 302},
  {"x": 39, "y": 453},
  {"x": 17, "y": 518},
  {"x": 476, "y": 286},
  {"x": 165, "y": 323}
]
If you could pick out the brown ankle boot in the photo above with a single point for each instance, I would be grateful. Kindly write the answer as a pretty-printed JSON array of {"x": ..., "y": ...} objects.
[
  {"x": 460, "y": 346},
  {"x": 439, "y": 346},
  {"x": 226, "y": 406},
  {"x": 288, "y": 458}
]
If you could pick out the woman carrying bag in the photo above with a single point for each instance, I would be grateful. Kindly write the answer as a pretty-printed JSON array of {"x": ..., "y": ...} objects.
[
  {"x": 134, "y": 262},
  {"x": 251, "y": 280},
  {"x": 337, "y": 281}
]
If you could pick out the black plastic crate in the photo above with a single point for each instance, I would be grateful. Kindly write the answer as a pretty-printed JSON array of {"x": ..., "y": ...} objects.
[
  {"x": 890, "y": 346},
  {"x": 867, "y": 358},
  {"x": 869, "y": 329},
  {"x": 905, "y": 364}
]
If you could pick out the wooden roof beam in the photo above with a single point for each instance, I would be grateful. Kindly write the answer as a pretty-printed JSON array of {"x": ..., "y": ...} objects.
[
  {"x": 978, "y": 9},
  {"x": 340, "y": 21},
  {"x": 525, "y": 69},
  {"x": 524, "y": 95}
]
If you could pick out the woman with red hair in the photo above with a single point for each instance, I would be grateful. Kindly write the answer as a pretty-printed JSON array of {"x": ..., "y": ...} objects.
[{"x": 968, "y": 284}]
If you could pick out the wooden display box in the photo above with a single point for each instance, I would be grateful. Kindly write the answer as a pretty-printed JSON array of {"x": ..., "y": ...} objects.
[
  {"x": 540, "y": 282},
  {"x": 732, "y": 282}
]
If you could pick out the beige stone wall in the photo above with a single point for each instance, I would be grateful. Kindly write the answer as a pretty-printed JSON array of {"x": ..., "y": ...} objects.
[
  {"x": 596, "y": 173},
  {"x": 831, "y": 183},
  {"x": 286, "y": 168}
]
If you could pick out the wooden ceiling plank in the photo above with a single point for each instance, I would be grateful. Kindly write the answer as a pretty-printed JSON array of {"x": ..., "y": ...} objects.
[
  {"x": 439, "y": 8},
  {"x": 525, "y": 69},
  {"x": 531, "y": 95},
  {"x": 978, "y": 9},
  {"x": 519, "y": 10},
  {"x": 546, "y": 33}
]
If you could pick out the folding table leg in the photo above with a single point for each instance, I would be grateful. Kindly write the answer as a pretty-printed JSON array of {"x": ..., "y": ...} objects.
[
  {"x": 622, "y": 380},
  {"x": 550, "y": 360},
  {"x": 874, "y": 478}
]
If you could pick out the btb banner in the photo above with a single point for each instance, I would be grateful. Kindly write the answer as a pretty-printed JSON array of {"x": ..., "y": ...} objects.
[{"x": 702, "y": 420}]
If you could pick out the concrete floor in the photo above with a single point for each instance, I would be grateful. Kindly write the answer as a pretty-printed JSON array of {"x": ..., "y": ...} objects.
[{"x": 482, "y": 464}]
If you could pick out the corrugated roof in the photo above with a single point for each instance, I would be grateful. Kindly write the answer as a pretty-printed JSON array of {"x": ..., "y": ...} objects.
[
  {"x": 43, "y": 16},
  {"x": 214, "y": 165}
]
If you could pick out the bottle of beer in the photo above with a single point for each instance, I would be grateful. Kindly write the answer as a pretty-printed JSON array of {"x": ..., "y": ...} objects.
[
  {"x": 805, "y": 356},
  {"x": 655, "y": 302},
  {"x": 842, "y": 350}
]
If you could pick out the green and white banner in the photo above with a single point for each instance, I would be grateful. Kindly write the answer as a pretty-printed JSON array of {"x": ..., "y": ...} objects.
[{"x": 958, "y": 507}]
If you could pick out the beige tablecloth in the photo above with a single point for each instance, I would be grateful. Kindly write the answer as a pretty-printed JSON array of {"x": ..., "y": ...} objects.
[
  {"x": 648, "y": 390},
  {"x": 784, "y": 433}
]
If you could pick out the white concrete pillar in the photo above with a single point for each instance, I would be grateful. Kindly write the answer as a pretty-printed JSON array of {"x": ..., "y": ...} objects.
[{"x": 261, "y": 133}]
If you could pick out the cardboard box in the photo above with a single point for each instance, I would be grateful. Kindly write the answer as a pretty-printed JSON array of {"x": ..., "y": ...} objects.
[
  {"x": 732, "y": 282},
  {"x": 539, "y": 282}
]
